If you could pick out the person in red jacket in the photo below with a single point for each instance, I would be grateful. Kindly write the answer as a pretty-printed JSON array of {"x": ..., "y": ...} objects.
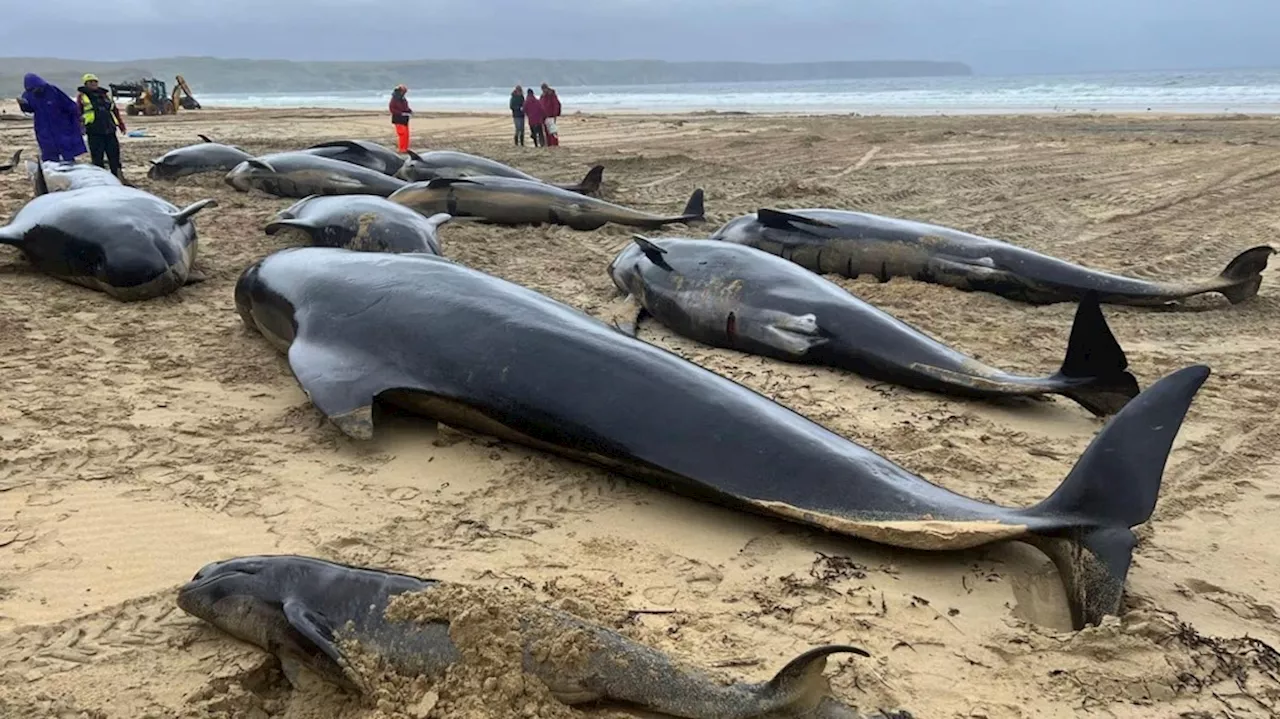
[
  {"x": 551, "y": 107},
  {"x": 400, "y": 113},
  {"x": 536, "y": 115}
]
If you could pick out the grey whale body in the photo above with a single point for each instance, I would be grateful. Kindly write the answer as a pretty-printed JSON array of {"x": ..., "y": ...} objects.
[
  {"x": 859, "y": 243},
  {"x": 481, "y": 353}
]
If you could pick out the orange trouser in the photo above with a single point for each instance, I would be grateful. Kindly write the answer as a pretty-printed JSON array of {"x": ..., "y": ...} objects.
[{"x": 402, "y": 134}]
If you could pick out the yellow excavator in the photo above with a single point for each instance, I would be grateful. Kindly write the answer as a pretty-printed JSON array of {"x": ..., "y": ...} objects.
[{"x": 150, "y": 96}]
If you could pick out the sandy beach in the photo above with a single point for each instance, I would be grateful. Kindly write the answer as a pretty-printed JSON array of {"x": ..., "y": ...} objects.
[{"x": 140, "y": 441}]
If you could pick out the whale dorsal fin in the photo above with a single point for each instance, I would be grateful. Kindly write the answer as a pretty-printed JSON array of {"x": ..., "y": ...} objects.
[
  {"x": 349, "y": 144},
  {"x": 204, "y": 137},
  {"x": 414, "y": 156},
  {"x": 448, "y": 181},
  {"x": 651, "y": 250},
  {"x": 780, "y": 220},
  {"x": 260, "y": 164}
]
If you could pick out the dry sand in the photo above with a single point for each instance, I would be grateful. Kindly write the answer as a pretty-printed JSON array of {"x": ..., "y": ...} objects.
[{"x": 140, "y": 441}]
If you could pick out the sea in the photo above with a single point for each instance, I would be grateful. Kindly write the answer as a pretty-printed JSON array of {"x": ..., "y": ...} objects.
[{"x": 1253, "y": 91}]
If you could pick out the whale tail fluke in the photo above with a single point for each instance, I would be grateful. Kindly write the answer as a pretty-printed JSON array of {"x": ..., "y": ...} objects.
[
  {"x": 1243, "y": 275},
  {"x": 1113, "y": 488},
  {"x": 1094, "y": 353}
]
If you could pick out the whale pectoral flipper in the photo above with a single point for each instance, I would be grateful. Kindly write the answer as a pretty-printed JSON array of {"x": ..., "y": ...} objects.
[
  {"x": 314, "y": 628},
  {"x": 626, "y": 314},
  {"x": 318, "y": 632},
  {"x": 343, "y": 381},
  {"x": 793, "y": 334}
]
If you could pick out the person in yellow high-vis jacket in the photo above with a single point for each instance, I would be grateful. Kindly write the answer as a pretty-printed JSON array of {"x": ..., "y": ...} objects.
[{"x": 100, "y": 120}]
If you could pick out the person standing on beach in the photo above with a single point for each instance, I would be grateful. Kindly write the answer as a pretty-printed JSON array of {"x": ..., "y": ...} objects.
[
  {"x": 551, "y": 108},
  {"x": 533, "y": 111},
  {"x": 517, "y": 113},
  {"x": 100, "y": 119},
  {"x": 57, "y": 121},
  {"x": 400, "y": 112}
]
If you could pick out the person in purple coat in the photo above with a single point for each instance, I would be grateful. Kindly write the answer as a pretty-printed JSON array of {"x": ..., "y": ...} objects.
[{"x": 57, "y": 122}]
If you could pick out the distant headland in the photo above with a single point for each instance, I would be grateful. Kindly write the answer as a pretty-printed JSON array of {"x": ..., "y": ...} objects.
[{"x": 219, "y": 75}]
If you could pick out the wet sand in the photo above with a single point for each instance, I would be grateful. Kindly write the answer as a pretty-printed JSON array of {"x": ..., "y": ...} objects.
[{"x": 140, "y": 441}]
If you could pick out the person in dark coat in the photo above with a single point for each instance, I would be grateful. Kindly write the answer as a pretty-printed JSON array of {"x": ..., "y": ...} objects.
[
  {"x": 100, "y": 119},
  {"x": 517, "y": 113},
  {"x": 533, "y": 112},
  {"x": 57, "y": 121}
]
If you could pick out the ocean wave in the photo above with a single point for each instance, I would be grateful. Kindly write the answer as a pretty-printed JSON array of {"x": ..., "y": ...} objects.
[{"x": 1253, "y": 90}]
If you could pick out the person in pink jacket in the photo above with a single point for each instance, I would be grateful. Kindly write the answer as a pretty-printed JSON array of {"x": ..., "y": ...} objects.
[
  {"x": 536, "y": 116},
  {"x": 551, "y": 109}
]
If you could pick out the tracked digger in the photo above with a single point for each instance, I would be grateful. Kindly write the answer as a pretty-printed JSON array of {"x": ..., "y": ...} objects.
[{"x": 150, "y": 96}]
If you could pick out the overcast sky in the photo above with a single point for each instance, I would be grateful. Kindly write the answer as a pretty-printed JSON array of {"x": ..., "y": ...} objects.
[{"x": 993, "y": 36}]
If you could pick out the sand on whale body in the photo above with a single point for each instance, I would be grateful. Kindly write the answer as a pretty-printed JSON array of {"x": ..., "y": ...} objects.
[{"x": 140, "y": 441}]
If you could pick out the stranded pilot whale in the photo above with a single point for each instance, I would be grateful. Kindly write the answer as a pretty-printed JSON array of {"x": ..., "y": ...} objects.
[
  {"x": 478, "y": 352},
  {"x": 858, "y": 243},
  {"x": 511, "y": 201},
  {"x": 119, "y": 240},
  {"x": 299, "y": 174},
  {"x": 204, "y": 156},
  {"x": 306, "y": 611},
  {"x": 736, "y": 297},
  {"x": 361, "y": 222},
  {"x": 60, "y": 176},
  {"x": 448, "y": 163},
  {"x": 359, "y": 152}
]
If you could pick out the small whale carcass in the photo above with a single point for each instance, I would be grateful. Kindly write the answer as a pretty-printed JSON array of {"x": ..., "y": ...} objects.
[
  {"x": 510, "y": 201},
  {"x": 309, "y": 612},
  {"x": 857, "y": 243},
  {"x": 361, "y": 222},
  {"x": 202, "y": 157},
  {"x": 359, "y": 152},
  {"x": 736, "y": 297},
  {"x": 299, "y": 174},
  {"x": 445, "y": 164},
  {"x": 119, "y": 240}
]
